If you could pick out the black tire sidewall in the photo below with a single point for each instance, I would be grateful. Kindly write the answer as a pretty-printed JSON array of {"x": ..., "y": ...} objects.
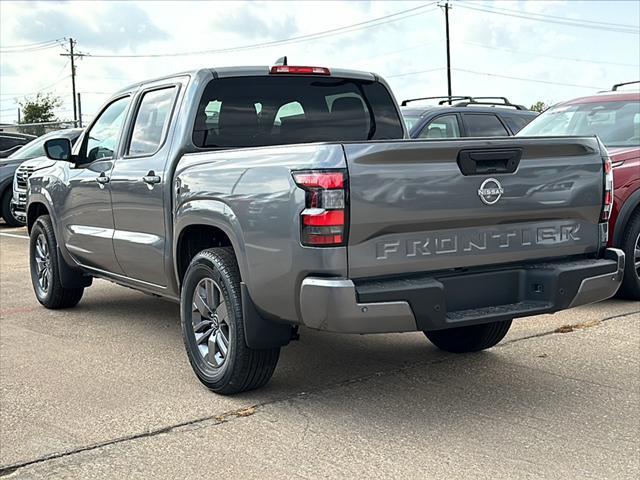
[
  {"x": 5, "y": 209},
  {"x": 631, "y": 282},
  {"x": 41, "y": 228},
  {"x": 201, "y": 267}
]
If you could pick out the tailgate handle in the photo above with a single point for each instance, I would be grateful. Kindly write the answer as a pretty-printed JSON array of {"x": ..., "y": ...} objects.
[{"x": 488, "y": 161}]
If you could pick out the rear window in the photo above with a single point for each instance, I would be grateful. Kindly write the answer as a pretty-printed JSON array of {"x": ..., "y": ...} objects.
[
  {"x": 276, "y": 110},
  {"x": 517, "y": 122},
  {"x": 481, "y": 125}
]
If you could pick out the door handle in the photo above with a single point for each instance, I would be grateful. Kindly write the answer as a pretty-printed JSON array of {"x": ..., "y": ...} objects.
[
  {"x": 151, "y": 178},
  {"x": 102, "y": 179}
]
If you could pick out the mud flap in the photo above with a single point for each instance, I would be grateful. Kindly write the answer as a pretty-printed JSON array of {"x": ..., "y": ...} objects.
[
  {"x": 260, "y": 333},
  {"x": 69, "y": 277}
]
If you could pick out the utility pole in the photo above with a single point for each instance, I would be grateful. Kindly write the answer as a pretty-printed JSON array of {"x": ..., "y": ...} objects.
[
  {"x": 79, "y": 124},
  {"x": 73, "y": 73},
  {"x": 18, "y": 114},
  {"x": 72, "y": 56},
  {"x": 447, "y": 7}
]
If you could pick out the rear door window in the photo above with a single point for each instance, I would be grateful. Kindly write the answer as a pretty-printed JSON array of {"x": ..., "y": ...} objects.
[
  {"x": 276, "y": 110},
  {"x": 151, "y": 121},
  {"x": 444, "y": 126},
  {"x": 483, "y": 125}
]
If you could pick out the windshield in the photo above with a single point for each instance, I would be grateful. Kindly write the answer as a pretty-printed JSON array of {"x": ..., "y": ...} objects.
[
  {"x": 35, "y": 148},
  {"x": 617, "y": 124}
]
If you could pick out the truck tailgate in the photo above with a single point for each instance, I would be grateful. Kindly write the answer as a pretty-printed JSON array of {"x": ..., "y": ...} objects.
[{"x": 432, "y": 205}]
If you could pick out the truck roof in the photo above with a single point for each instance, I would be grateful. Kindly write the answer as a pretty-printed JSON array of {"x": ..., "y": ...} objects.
[{"x": 247, "y": 71}]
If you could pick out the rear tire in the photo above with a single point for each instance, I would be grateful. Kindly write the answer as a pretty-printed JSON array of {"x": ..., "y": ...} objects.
[
  {"x": 5, "y": 210},
  {"x": 630, "y": 288},
  {"x": 213, "y": 327},
  {"x": 469, "y": 339},
  {"x": 45, "y": 270}
]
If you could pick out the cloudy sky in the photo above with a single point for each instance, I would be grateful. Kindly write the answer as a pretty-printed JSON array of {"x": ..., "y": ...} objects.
[{"x": 525, "y": 50}]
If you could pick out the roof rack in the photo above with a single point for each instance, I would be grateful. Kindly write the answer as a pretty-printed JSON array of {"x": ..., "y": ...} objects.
[
  {"x": 447, "y": 99},
  {"x": 501, "y": 101},
  {"x": 615, "y": 87},
  {"x": 466, "y": 100}
]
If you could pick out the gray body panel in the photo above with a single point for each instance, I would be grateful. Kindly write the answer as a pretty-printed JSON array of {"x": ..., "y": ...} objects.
[
  {"x": 399, "y": 192},
  {"x": 250, "y": 194}
]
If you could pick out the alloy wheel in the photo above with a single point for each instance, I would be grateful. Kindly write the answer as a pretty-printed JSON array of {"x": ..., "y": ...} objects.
[
  {"x": 43, "y": 263},
  {"x": 210, "y": 322}
]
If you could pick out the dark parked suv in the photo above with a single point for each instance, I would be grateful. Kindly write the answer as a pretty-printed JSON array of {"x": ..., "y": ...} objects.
[
  {"x": 465, "y": 116},
  {"x": 11, "y": 142}
]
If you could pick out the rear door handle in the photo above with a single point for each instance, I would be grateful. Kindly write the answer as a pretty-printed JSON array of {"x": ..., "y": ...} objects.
[{"x": 151, "y": 178}]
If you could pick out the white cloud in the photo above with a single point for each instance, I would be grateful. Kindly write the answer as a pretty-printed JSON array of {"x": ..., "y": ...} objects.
[{"x": 415, "y": 43}]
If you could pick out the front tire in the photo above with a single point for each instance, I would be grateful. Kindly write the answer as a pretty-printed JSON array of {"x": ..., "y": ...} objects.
[
  {"x": 630, "y": 288},
  {"x": 213, "y": 328},
  {"x": 5, "y": 210},
  {"x": 469, "y": 339},
  {"x": 45, "y": 270}
]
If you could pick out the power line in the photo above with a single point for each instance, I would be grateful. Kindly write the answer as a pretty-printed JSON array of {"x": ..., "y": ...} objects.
[
  {"x": 395, "y": 75},
  {"x": 557, "y": 57},
  {"x": 375, "y": 22},
  {"x": 36, "y": 44},
  {"x": 5, "y": 50},
  {"x": 555, "y": 17},
  {"x": 547, "y": 82},
  {"x": 556, "y": 20},
  {"x": 41, "y": 90},
  {"x": 354, "y": 62}
]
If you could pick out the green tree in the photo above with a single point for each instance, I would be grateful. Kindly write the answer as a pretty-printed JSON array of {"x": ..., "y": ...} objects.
[
  {"x": 39, "y": 109},
  {"x": 539, "y": 107}
]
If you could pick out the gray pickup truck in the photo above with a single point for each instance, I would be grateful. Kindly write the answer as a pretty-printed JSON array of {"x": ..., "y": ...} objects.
[{"x": 263, "y": 199}]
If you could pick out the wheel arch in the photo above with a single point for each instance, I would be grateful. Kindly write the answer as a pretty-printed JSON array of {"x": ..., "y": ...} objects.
[
  {"x": 34, "y": 210},
  {"x": 630, "y": 206},
  {"x": 205, "y": 224}
]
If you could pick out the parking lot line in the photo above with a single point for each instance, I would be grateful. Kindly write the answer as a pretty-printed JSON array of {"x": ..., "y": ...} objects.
[{"x": 13, "y": 235}]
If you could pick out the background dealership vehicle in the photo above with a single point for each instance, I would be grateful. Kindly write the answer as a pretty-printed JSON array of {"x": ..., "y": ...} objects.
[
  {"x": 11, "y": 142},
  {"x": 31, "y": 158},
  {"x": 464, "y": 116},
  {"x": 615, "y": 117},
  {"x": 267, "y": 198}
]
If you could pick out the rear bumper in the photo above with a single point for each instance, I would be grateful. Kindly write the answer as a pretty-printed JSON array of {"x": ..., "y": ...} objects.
[{"x": 435, "y": 302}]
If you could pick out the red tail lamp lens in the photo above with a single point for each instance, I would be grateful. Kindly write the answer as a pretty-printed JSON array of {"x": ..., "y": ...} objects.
[{"x": 323, "y": 221}]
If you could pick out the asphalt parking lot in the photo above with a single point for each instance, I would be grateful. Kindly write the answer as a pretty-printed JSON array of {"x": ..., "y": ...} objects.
[{"x": 105, "y": 391}]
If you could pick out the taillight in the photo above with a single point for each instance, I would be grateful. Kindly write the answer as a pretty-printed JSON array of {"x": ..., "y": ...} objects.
[
  {"x": 607, "y": 202},
  {"x": 293, "y": 70},
  {"x": 323, "y": 221}
]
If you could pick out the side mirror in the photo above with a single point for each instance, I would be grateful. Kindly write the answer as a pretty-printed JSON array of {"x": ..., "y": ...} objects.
[{"x": 58, "y": 149}]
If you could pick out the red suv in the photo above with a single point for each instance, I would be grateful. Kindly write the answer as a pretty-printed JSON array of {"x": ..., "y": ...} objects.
[{"x": 615, "y": 117}]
